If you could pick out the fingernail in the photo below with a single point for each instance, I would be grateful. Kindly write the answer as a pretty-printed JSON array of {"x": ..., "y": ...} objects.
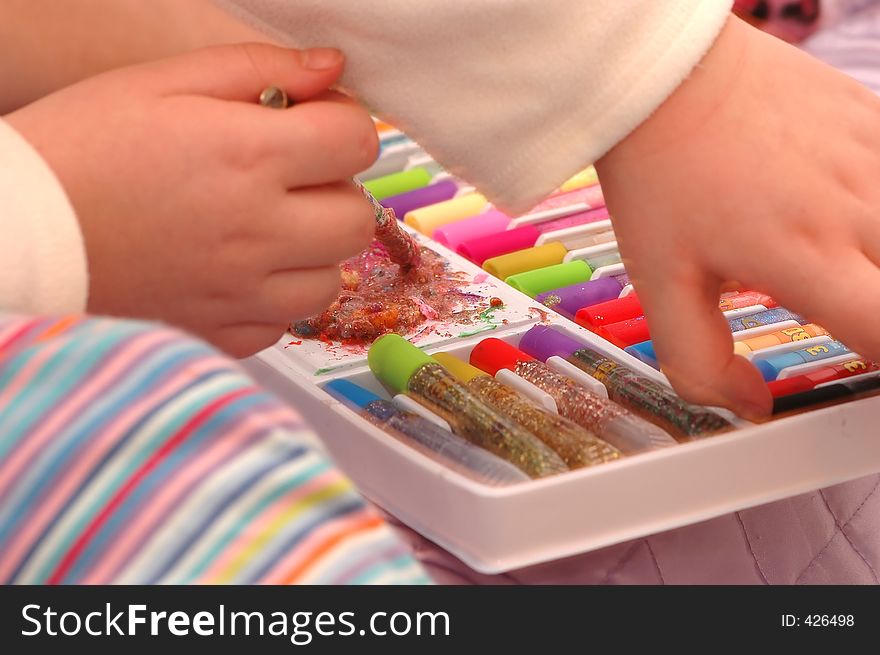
[{"x": 321, "y": 59}]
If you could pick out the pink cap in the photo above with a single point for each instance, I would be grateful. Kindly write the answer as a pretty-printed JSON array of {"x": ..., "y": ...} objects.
[
  {"x": 500, "y": 243},
  {"x": 481, "y": 225}
]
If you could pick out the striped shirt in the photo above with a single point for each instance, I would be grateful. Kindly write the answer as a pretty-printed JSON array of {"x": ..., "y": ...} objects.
[{"x": 132, "y": 454}]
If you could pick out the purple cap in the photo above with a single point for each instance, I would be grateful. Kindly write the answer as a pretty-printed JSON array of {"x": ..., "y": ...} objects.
[
  {"x": 433, "y": 193},
  {"x": 481, "y": 225},
  {"x": 543, "y": 342},
  {"x": 568, "y": 300}
]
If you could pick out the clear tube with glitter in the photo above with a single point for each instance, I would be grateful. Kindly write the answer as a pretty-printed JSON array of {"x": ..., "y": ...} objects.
[
  {"x": 638, "y": 393},
  {"x": 422, "y": 434},
  {"x": 406, "y": 369},
  {"x": 577, "y": 446},
  {"x": 611, "y": 422}
]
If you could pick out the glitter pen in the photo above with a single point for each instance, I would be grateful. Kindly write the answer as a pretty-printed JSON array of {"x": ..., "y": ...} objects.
[
  {"x": 638, "y": 393},
  {"x": 405, "y": 369},
  {"x": 576, "y": 446},
  {"x": 611, "y": 422},
  {"x": 402, "y": 247},
  {"x": 416, "y": 431}
]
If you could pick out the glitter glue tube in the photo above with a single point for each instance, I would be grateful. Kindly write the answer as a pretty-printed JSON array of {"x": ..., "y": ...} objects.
[
  {"x": 404, "y": 203},
  {"x": 842, "y": 390},
  {"x": 746, "y": 299},
  {"x": 568, "y": 300},
  {"x": 413, "y": 429},
  {"x": 638, "y": 393},
  {"x": 576, "y": 446},
  {"x": 491, "y": 223},
  {"x": 405, "y": 369},
  {"x": 625, "y": 333},
  {"x": 788, "y": 335},
  {"x": 500, "y": 243},
  {"x": 544, "y": 279},
  {"x": 644, "y": 352},
  {"x": 611, "y": 311},
  {"x": 769, "y": 317},
  {"x": 771, "y": 364},
  {"x": 525, "y": 260},
  {"x": 809, "y": 380},
  {"x": 427, "y": 219},
  {"x": 611, "y": 422},
  {"x": 390, "y": 185}
]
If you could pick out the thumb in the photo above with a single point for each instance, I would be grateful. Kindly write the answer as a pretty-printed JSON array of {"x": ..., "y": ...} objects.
[
  {"x": 241, "y": 71},
  {"x": 695, "y": 347}
]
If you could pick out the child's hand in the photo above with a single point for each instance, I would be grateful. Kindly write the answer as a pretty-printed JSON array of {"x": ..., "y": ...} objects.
[
  {"x": 200, "y": 207},
  {"x": 763, "y": 168}
]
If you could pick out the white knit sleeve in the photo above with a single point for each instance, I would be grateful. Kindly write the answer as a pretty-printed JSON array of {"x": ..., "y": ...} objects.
[
  {"x": 42, "y": 256},
  {"x": 511, "y": 95}
]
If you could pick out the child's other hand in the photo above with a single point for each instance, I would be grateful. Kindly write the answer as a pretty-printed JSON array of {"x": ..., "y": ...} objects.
[
  {"x": 763, "y": 168},
  {"x": 198, "y": 206}
]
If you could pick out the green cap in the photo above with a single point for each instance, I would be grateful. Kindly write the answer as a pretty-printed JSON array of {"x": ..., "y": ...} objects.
[
  {"x": 394, "y": 360},
  {"x": 391, "y": 185},
  {"x": 542, "y": 280}
]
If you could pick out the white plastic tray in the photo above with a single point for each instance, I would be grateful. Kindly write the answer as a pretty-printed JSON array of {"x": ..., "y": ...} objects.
[{"x": 495, "y": 529}]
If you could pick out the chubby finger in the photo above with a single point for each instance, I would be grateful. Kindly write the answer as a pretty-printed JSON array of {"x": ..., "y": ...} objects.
[
  {"x": 241, "y": 71},
  {"x": 320, "y": 141},
  {"x": 321, "y": 226},
  {"x": 848, "y": 292},
  {"x": 695, "y": 347},
  {"x": 295, "y": 294},
  {"x": 241, "y": 340}
]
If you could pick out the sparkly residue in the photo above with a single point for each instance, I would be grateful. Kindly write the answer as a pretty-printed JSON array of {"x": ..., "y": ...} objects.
[{"x": 378, "y": 297}]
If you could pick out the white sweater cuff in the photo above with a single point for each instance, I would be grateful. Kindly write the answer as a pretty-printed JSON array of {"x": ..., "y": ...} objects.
[
  {"x": 515, "y": 95},
  {"x": 42, "y": 256}
]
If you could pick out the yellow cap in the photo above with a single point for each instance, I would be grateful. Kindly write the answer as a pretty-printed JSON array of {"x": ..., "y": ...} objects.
[
  {"x": 740, "y": 348},
  {"x": 427, "y": 219},
  {"x": 587, "y": 177},
  {"x": 458, "y": 367},
  {"x": 529, "y": 259}
]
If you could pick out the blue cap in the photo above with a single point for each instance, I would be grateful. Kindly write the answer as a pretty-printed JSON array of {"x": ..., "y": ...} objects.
[
  {"x": 644, "y": 351},
  {"x": 353, "y": 393}
]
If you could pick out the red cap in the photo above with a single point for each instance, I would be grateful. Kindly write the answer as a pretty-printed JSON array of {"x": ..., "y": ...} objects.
[
  {"x": 788, "y": 386},
  {"x": 626, "y": 333},
  {"x": 610, "y": 311},
  {"x": 491, "y": 355}
]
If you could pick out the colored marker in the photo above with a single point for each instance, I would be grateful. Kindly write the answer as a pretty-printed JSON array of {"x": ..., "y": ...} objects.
[
  {"x": 404, "y": 203},
  {"x": 788, "y": 335},
  {"x": 576, "y": 446},
  {"x": 746, "y": 299},
  {"x": 611, "y": 422},
  {"x": 405, "y": 369},
  {"x": 772, "y": 364},
  {"x": 525, "y": 260},
  {"x": 500, "y": 243},
  {"x": 490, "y": 223},
  {"x": 769, "y": 317},
  {"x": 540, "y": 280},
  {"x": 644, "y": 352},
  {"x": 412, "y": 429},
  {"x": 390, "y": 185},
  {"x": 811, "y": 379},
  {"x": 638, "y": 393},
  {"x": 611, "y": 311},
  {"x": 625, "y": 333},
  {"x": 427, "y": 219},
  {"x": 568, "y": 300}
]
